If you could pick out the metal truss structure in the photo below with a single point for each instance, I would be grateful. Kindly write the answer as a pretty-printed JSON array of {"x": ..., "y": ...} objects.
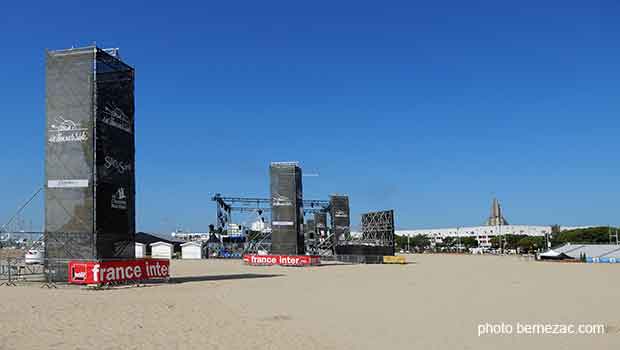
[
  {"x": 377, "y": 229},
  {"x": 325, "y": 246},
  {"x": 226, "y": 205},
  {"x": 258, "y": 242}
]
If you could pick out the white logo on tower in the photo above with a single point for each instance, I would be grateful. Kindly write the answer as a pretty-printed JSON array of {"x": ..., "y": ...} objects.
[
  {"x": 281, "y": 201},
  {"x": 114, "y": 116},
  {"x": 341, "y": 214},
  {"x": 64, "y": 130},
  {"x": 119, "y": 199}
]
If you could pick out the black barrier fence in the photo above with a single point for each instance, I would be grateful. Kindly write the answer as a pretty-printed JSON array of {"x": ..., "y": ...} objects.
[
  {"x": 355, "y": 259},
  {"x": 48, "y": 273},
  {"x": 364, "y": 250},
  {"x": 14, "y": 270}
]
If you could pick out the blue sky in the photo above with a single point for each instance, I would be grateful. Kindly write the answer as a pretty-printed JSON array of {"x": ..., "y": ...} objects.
[{"x": 429, "y": 108}]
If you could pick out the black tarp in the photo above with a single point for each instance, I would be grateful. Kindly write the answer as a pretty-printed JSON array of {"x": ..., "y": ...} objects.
[{"x": 147, "y": 239}]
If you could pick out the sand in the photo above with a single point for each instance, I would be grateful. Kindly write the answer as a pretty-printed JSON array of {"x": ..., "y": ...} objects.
[{"x": 437, "y": 302}]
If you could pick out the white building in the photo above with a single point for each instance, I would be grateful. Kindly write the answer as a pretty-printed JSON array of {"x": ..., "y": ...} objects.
[
  {"x": 496, "y": 225},
  {"x": 140, "y": 250},
  {"x": 161, "y": 250},
  {"x": 191, "y": 236},
  {"x": 191, "y": 250},
  {"x": 482, "y": 234}
]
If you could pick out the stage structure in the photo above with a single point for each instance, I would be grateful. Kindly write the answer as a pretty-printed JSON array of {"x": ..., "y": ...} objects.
[
  {"x": 287, "y": 216},
  {"x": 309, "y": 229},
  {"x": 320, "y": 223},
  {"x": 89, "y": 158},
  {"x": 340, "y": 217},
  {"x": 376, "y": 239},
  {"x": 225, "y": 206},
  {"x": 378, "y": 228},
  {"x": 256, "y": 241},
  {"x": 323, "y": 243}
]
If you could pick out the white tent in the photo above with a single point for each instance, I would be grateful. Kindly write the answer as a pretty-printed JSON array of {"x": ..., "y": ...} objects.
[
  {"x": 161, "y": 250},
  {"x": 140, "y": 251},
  {"x": 191, "y": 250}
]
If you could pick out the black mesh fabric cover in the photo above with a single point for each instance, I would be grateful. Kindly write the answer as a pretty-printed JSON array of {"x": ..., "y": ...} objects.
[
  {"x": 81, "y": 84},
  {"x": 287, "y": 235},
  {"x": 69, "y": 156},
  {"x": 115, "y": 216},
  {"x": 340, "y": 215}
]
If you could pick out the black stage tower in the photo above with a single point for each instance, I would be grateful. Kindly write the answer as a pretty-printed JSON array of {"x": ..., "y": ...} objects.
[
  {"x": 287, "y": 212},
  {"x": 89, "y": 158}
]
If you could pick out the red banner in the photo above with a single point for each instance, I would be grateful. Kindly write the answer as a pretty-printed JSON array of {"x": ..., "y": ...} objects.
[
  {"x": 99, "y": 272},
  {"x": 285, "y": 260}
]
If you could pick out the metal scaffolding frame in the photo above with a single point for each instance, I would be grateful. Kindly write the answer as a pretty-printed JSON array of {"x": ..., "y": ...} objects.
[
  {"x": 325, "y": 246},
  {"x": 377, "y": 229},
  {"x": 226, "y": 205}
]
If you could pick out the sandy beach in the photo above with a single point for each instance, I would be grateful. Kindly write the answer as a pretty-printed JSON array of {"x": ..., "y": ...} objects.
[{"x": 435, "y": 302}]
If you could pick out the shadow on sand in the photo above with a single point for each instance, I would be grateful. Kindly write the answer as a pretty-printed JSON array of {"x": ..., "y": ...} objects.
[{"x": 240, "y": 276}]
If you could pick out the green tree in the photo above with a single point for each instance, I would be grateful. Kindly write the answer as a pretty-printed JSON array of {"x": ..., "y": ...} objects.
[
  {"x": 495, "y": 242},
  {"x": 469, "y": 242},
  {"x": 420, "y": 242},
  {"x": 530, "y": 244},
  {"x": 449, "y": 242},
  {"x": 417, "y": 242},
  {"x": 512, "y": 241},
  {"x": 592, "y": 235}
]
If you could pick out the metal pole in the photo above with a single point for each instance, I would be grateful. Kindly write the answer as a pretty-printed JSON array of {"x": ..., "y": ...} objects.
[
  {"x": 502, "y": 242},
  {"x": 21, "y": 208}
]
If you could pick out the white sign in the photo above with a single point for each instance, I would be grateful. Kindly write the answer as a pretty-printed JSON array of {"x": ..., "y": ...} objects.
[
  {"x": 65, "y": 130},
  {"x": 282, "y": 223},
  {"x": 67, "y": 183}
]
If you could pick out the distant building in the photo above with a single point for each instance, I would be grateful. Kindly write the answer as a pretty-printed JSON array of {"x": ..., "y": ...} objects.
[
  {"x": 495, "y": 225},
  {"x": 483, "y": 234},
  {"x": 496, "y": 218}
]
